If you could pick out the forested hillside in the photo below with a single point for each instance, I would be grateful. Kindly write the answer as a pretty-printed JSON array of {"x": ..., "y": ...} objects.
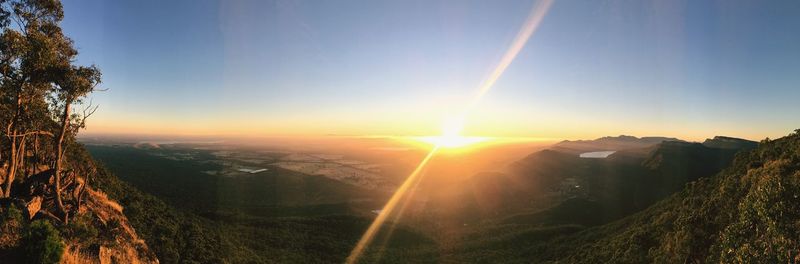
[
  {"x": 50, "y": 209},
  {"x": 748, "y": 213},
  {"x": 239, "y": 227}
]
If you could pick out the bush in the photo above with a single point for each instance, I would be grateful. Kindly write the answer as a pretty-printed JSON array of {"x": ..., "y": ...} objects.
[
  {"x": 42, "y": 243},
  {"x": 11, "y": 224},
  {"x": 10, "y": 213},
  {"x": 81, "y": 229}
]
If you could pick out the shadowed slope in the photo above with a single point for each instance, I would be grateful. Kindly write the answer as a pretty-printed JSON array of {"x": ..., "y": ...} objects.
[{"x": 748, "y": 213}]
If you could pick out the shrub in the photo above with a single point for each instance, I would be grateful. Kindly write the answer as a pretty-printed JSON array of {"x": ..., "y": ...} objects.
[
  {"x": 42, "y": 243},
  {"x": 81, "y": 229},
  {"x": 11, "y": 224}
]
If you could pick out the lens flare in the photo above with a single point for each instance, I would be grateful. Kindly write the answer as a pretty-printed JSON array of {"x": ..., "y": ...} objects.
[
  {"x": 388, "y": 209},
  {"x": 525, "y": 33},
  {"x": 451, "y": 129}
]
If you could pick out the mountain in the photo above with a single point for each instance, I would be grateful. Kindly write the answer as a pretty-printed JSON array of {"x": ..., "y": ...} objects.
[
  {"x": 747, "y": 213},
  {"x": 609, "y": 144},
  {"x": 723, "y": 142},
  {"x": 626, "y": 181},
  {"x": 557, "y": 187}
]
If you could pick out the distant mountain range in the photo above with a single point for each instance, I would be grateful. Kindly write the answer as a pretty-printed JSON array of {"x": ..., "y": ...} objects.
[
  {"x": 586, "y": 191},
  {"x": 555, "y": 186},
  {"x": 609, "y": 143},
  {"x": 747, "y": 213}
]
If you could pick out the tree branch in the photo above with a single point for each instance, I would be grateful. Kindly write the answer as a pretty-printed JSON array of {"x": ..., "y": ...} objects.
[{"x": 37, "y": 132}]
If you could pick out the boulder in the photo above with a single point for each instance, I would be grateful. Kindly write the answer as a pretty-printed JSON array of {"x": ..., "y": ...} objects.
[{"x": 33, "y": 206}]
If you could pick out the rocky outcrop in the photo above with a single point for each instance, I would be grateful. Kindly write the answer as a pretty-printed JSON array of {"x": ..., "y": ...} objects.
[
  {"x": 95, "y": 230},
  {"x": 125, "y": 247}
]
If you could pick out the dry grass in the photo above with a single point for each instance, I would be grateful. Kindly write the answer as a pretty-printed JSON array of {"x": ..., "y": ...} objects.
[
  {"x": 102, "y": 198},
  {"x": 119, "y": 255},
  {"x": 74, "y": 256},
  {"x": 126, "y": 248}
]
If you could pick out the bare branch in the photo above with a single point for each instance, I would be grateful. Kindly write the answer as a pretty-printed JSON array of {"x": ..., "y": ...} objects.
[
  {"x": 37, "y": 132},
  {"x": 87, "y": 112}
]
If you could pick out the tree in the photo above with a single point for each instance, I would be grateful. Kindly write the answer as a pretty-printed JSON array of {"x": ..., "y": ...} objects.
[
  {"x": 75, "y": 84},
  {"x": 39, "y": 84},
  {"x": 31, "y": 52}
]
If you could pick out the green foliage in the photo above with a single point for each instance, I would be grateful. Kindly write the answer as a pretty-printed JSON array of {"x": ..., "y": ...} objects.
[
  {"x": 81, "y": 229},
  {"x": 766, "y": 226},
  {"x": 39, "y": 83},
  {"x": 749, "y": 213},
  {"x": 42, "y": 243},
  {"x": 10, "y": 214},
  {"x": 12, "y": 223}
]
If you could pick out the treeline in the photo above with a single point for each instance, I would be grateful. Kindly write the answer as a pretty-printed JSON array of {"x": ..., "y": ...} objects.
[{"x": 42, "y": 107}]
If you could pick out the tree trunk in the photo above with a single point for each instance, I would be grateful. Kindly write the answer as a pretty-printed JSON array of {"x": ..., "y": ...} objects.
[
  {"x": 12, "y": 133},
  {"x": 12, "y": 166},
  {"x": 16, "y": 162},
  {"x": 35, "y": 165},
  {"x": 60, "y": 155},
  {"x": 22, "y": 152}
]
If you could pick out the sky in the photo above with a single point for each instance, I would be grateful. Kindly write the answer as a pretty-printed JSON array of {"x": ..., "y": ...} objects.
[{"x": 689, "y": 69}]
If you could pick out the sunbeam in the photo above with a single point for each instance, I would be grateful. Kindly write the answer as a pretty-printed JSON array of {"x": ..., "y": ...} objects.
[
  {"x": 450, "y": 134},
  {"x": 531, "y": 24},
  {"x": 388, "y": 209}
]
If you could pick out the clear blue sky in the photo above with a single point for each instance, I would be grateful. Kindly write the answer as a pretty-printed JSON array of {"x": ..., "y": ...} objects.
[{"x": 692, "y": 69}]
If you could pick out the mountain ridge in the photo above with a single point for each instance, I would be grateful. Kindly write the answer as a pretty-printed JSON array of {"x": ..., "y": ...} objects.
[
  {"x": 609, "y": 143},
  {"x": 749, "y": 212}
]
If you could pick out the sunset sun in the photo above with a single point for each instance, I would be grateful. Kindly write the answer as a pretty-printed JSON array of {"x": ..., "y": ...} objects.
[{"x": 451, "y": 136}]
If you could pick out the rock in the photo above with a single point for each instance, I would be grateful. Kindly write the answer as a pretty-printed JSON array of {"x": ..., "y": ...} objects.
[
  {"x": 127, "y": 246},
  {"x": 38, "y": 184},
  {"x": 33, "y": 206},
  {"x": 44, "y": 177},
  {"x": 36, "y": 169}
]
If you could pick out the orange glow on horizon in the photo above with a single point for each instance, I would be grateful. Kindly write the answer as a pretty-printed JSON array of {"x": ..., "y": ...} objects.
[
  {"x": 452, "y": 141},
  {"x": 451, "y": 129}
]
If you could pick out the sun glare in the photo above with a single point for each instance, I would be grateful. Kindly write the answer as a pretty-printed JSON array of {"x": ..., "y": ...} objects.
[
  {"x": 451, "y": 141},
  {"x": 451, "y": 136}
]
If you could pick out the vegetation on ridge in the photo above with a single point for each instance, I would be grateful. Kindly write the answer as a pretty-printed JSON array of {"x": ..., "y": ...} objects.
[
  {"x": 748, "y": 213},
  {"x": 48, "y": 208}
]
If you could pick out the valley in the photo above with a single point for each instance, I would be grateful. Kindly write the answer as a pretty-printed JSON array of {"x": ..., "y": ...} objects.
[{"x": 556, "y": 188}]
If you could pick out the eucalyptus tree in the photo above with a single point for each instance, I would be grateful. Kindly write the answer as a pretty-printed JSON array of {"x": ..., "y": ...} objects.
[
  {"x": 39, "y": 84},
  {"x": 32, "y": 50},
  {"x": 75, "y": 84}
]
